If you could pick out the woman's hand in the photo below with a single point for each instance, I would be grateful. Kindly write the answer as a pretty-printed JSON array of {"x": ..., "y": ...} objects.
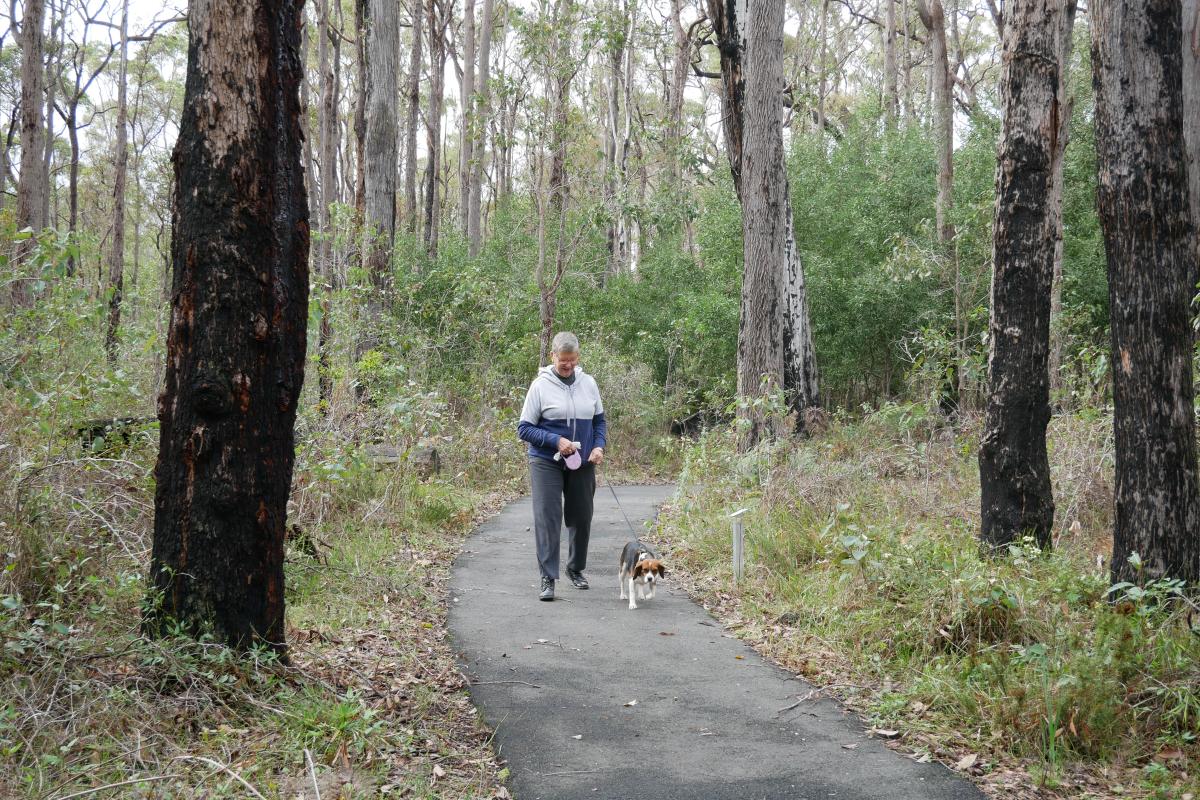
[
  {"x": 597, "y": 456},
  {"x": 565, "y": 446}
]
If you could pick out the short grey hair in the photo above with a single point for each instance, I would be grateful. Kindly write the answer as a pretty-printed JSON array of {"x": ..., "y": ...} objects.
[{"x": 565, "y": 342}]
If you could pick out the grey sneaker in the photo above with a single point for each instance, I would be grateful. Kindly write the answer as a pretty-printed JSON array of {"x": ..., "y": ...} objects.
[
  {"x": 577, "y": 579},
  {"x": 547, "y": 592}
]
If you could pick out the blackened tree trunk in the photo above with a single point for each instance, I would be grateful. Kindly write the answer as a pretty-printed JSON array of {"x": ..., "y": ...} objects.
[
  {"x": 1151, "y": 247},
  {"x": 31, "y": 186},
  {"x": 235, "y": 351},
  {"x": 1014, "y": 469},
  {"x": 116, "y": 255},
  {"x": 1191, "y": 108}
]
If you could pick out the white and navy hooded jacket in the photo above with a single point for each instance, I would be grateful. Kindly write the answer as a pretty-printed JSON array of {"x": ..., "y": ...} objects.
[{"x": 553, "y": 409}]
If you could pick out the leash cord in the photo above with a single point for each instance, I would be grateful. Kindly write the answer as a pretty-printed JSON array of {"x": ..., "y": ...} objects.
[{"x": 622, "y": 510}]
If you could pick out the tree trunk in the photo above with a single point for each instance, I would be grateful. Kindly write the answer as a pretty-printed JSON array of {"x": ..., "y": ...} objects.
[
  {"x": 235, "y": 351},
  {"x": 891, "y": 98},
  {"x": 116, "y": 256},
  {"x": 1066, "y": 106},
  {"x": 934, "y": 20},
  {"x": 360, "y": 112},
  {"x": 5, "y": 154},
  {"x": 1014, "y": 468},
  {"x": 822, "y": 35},
  {"x": 467, "y": 115},
  {"x": 438, "y": 18},
  {"x": 383, "y": 51},
  {"x": 675, "y": 134},
  {"x": 562, "y": 70},
  {"x": 31, "y": 187},
  {"x": 53, "y": 72},
  {"x": 1151, "y": 247},
  {"x": 328, "y": 136},
  {"x": 1191, "y": 111},
  {"x": 482, "y": 118},
  {"x": 765, "y": 225},
  {"x": 73, "y": 180},
  {"x": 413, "y": 93}
]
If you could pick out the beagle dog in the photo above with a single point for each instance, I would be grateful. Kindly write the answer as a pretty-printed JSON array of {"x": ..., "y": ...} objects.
[{"x": 640, "y": 567}]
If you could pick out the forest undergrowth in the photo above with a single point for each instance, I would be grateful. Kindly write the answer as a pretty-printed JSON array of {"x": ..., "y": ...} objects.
[{"x": 1029, "y": 672}]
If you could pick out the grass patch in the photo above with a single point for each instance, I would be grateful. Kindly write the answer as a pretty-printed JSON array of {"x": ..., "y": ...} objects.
[
  {"x": 863, "y": 574},
  {"x": 371, "y": 703}
]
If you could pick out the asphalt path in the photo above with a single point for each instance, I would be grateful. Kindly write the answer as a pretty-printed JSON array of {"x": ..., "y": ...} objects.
[{"x": 592, "y": 700}]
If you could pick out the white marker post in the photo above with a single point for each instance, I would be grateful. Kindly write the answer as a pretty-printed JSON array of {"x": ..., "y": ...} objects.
[{"x": 739, "y": 540}]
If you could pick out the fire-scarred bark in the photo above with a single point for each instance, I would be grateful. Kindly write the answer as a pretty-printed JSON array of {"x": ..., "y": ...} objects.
[
  {"x": 1151, "y": 247},
  {"x": 1014, "y": 469},
  {"x": 235, "y": 349}
]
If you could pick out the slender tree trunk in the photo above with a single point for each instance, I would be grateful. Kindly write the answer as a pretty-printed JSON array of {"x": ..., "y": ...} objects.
[
  {"x": 380, "y": 157},
  {"x": 822, "y": 67},
  {"x": 906, "y": 75},
  {"x": 934, "y": 19},
  {"x": 675, "y": 134},
  {"x": 5, "y": 155},
  {"x": 116, "y": 256},
  {"x": 235, "y": 351},
  {"x": 613, "y": 185},
  {"x": 1066, "y": 106},
  {"x": 1014, "y": 468},
  {"x": 73, "y": 180},
  {"x": 53, "y": 71},
  {"x": 360, "y": 112},
  {"x": 438, "y": 19},
  {"x": 482, "y": 119},
  {"x": 413, "y": 93},
  {"x": 31, "y": 186},
  {"x": 891, "y": 98},
  {"x": 1151, "y": 246},
  {"x": 562, "y": 70},
  {"x": 467, "y": 115},
  {"x": 328, "y": 124}
]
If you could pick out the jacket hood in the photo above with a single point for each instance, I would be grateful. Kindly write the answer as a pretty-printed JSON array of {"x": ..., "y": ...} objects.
[{"x": 549, "y": 373}]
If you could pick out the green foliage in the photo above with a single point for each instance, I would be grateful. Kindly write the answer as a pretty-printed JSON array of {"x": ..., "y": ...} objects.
[{"x": 855, "y": 576}]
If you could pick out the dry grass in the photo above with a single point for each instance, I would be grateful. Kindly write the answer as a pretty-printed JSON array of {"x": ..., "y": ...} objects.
[{"x": 863, "y": 575}]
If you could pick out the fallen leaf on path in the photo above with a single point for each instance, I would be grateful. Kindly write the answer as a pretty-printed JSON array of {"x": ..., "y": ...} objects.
[
  {"x": 631, "y": 703},
  {"x": 542, "y": 641},
  {"x": 884, "y": 733},
  {"x": 666, "y": 633},
  {"x": 438, "y": 772},
  {"x": 577, "y": 736},
  {"x": 853, "y": 746},
  {"x": 966, "y": 762}
]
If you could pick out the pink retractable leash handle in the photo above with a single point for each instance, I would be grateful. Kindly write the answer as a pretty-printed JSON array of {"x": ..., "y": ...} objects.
[{"x": 574, "y": 460}]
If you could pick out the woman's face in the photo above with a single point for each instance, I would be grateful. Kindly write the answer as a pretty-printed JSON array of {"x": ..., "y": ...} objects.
[{"x": 564, "y": 363}]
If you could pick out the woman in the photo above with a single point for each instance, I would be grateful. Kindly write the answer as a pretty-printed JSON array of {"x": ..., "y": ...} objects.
[{"x": 563, "y": 422}]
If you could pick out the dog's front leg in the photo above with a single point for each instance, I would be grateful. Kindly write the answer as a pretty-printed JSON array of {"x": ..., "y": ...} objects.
[
  {"x": 632, "y": 602},
  {"x": 621, "y": 582}
]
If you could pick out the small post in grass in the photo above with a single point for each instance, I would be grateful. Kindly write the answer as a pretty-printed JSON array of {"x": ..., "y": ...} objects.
[{"x": 739, "y": 539}]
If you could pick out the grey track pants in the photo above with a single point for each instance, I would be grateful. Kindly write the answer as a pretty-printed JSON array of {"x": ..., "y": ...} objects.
[{"x": 561, "y": 495}]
